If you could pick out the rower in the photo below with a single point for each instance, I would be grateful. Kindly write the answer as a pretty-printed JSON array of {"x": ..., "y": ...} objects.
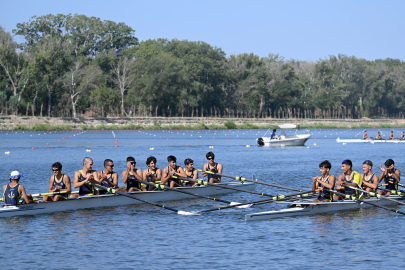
[
  {"x": 273, "y": 135},
  {"x": 390, "y": 175},
  {"x": 370, "y": 180},
  {"x": 108, "y": 177},
  {"x": 58, "y": 182},
  {"x": 87, "y": 174},
  {"x": 131, "y": 175},
  {"x": 191, "y": 172},
  {"x": 12, "y": 192},
  {"x": 349, "y": 178},
  {"x": 392, "y": 136},
  {"x": 324, "y": 181},
  {"x": 379, "y": 137},
  {"x": 402, "y": 136},
  {"x": 365, "y": 136},
  {"x": 213, "y": 167},
  {"x": 152, "y": 174},
  {"x": 173, "y": 170}
]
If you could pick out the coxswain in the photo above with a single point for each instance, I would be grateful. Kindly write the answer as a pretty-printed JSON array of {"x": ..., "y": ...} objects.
[
  {"x": 173, "y": 170},
  {"x": 392, "y": 136},
  {"x": 390, "y": 175},
  {"x": 402, "y": 136},
  {"x": 213, "y": 167},
  {"x": 108, "y": 177},
  {"x": 57, "y": 183},
  {"x": 191, "y": 172},
  {"x": 348, "y": 178},
  {"x": 87, "y": 174},
  {"x": 152, "y": 174},
  {"x": 379, "y": 137},
  {"x": 324, "y": 181},
  {"x": 131, "y": 175},
  {"x": 365, "y": 136},
  {"x": 369, "y": 179},
  {"x": 12, "y": 192}
]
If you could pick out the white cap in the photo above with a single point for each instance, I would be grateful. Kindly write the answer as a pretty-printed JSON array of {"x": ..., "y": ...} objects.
[{"x": 15, "y": 175}]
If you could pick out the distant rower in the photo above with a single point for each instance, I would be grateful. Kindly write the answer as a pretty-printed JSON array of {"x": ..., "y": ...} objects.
[
  {"x": 390, "y": 175},
  {"x": 324, "y": 181},
  {"x": 58, "y": 182},
  {"x": 365, "y": 136},
  {"x": 379, "y": 137},
  {"x": 131, "y": 175},
  {"x": 12, "y": 192},
  {"x": 370, "y": 180},
  {"x": 152, "y": 174},
  {"x": 213, "y": 167},
  {"x": 349, "y": 178},
  {"x": 173, "y": 170},
  {"x": 87, "y": 174},
  {"x": 392, "y": 136},
  {"x": 402, "y": 136},
  {"x": 191, "y": 172}
]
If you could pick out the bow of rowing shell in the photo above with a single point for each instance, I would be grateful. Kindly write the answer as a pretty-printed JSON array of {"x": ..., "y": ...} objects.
[{"x": 109, "y": 200}]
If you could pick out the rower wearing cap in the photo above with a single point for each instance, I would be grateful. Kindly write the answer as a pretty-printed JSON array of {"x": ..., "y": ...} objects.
[
  {"x": 392, "y": 136},
  {"x": 365, "y": 136},
  {"x": 348, "y": 178},
  {"x": 324, "y": 181},
  {"x": 370, "y": 180},
  {"x": 108, "y": 177},
  {"x": 82, "y": 177},
  {"x": 402, "y": 136},
  {"x": 213, "y": 167},
  {"x": 191, "y": 172},
  {"x": 12, "y": 192},
  {"x": 131, "y": 175},
  {"x": 57, "y": 183},
  {"x": 152, "y": 174},
  {"x": 379, "y": 137},
  {"x": 390, "y": 175},
  {"x": 173, "y": 170}
]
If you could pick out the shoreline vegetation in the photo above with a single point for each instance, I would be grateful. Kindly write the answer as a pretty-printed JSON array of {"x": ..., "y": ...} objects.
[{"x": 49, "y": 124}]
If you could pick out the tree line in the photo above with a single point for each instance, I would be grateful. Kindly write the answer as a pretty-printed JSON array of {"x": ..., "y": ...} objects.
[{"x": 74, "y": 65}]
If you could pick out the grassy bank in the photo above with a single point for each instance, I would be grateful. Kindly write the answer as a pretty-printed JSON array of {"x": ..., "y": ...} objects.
[{"x": 227, "y": 125}]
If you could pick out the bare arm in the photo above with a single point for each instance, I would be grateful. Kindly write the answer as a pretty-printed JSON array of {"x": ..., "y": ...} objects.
[
  {"x": 397, "y": 175},
  {"x": 124, "y": 177},
  {"x": 115, "y": 180},
  {"x": 138, "y": 174},
  {"x": 166, "y": 175},
  {"x": 220, "y": 168},
  {"x": 181, "y": 172},
  {"x": 68, "y": 184},
  {"x": 25, "y": 197},
  {"x": 204, "y": 169},
  {"x": 50, "y": 188},
  {"x": 76, "y": 183}
]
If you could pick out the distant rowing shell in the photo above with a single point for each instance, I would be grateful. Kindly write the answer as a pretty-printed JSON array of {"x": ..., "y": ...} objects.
[{"x": 367, "y": 141}]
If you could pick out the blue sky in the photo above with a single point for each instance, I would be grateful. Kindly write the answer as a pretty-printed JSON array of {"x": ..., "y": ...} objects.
[{"x": 304, "y": 30}]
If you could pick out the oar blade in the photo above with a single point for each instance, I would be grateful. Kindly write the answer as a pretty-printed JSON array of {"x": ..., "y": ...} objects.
[
  {"x": 242, "y": 206},
  {"x": 184, "y": 213}
]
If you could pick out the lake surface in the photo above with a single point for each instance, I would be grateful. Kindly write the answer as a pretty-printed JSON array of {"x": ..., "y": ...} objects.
[{"x": 147, "y": 237}]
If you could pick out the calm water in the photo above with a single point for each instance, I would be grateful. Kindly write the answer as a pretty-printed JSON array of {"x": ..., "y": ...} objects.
[{"x": 147, "y": 237}]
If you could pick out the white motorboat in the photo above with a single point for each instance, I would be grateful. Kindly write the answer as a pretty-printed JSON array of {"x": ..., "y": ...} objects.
[
  {"x": 299, "y": 208},
  {"x": 368, "y": 141},
  {"x": 110, "y": 200},
  {"x": 282, "y": 139}
]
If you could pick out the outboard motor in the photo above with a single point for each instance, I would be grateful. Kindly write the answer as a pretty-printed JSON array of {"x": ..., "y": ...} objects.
[{"x": 260, "y": 141}]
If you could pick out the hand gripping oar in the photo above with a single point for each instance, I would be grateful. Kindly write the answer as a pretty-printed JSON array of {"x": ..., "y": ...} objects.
[
  {"x": 205, "y": 183},
  {"x": 364, "y": 201},
  {"x": 375, "y": 194},
  {"x": 397, "y": 192},
  {"x": 114, "y": 191},
  {"x": 160, "y": 186},
  {"x": 249, "y": 180},
  {"x": 275, "y": 198},
  {"x": 43, "y": 194}
]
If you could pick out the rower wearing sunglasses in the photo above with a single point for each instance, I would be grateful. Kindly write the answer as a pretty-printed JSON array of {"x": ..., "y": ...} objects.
[
  {"x": 390, "y": 175},
  {"x": 87, "y": 174},
  {"x": 213, "y": 167},
  {"x": 348, "y": 178},
  {"x": 58, "y": 182},
  {"x": 131, "y": 175},
  {"x": 370, "y": 180},
  {"x": 108, "y": 177}
]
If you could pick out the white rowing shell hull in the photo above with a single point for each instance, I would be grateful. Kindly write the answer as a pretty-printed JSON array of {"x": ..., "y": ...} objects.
[
  {"x": 297, "y": 140},
  {"x": 367, "y": 141},
  {"x": 110, "y": 200},
  {"x": 318, "y": 208}
]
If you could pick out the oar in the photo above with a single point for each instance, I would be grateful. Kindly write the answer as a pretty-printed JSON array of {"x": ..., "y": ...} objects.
[
  {"x": 205, "y": 183},
  {"x": 193, "y": 194},
  {"x": 364, "y": 201},
  {"x": 49, "y": 193},
  {"x": 398, "y": 192},
  {"x": 375, "y": 194},
  {"x": 249, "y": 180},
  {"x": 276, "y": 198},
  {"x": 114, "y": 191}
]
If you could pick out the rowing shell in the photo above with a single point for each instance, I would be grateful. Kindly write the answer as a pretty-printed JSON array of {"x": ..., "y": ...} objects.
[
  {"x": 368, "y": 141},
  {"x": 109, "y": 200},
  {"x": 300, "y": 208}
]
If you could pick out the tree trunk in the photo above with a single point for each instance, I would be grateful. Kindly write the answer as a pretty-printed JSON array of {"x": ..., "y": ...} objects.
[
  {"x": 73, "y": 108},
  {"x": 28, "y": 106},
  {"x": 42, "y": 105},
  {"x": 50, "y": 90},
  {"x": 122, "y": 104}
]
